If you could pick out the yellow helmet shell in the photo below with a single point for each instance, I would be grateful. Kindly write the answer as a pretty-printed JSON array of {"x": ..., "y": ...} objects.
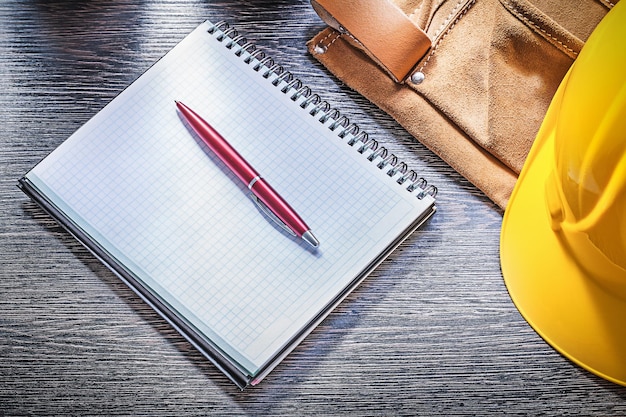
[{"x": 563, "y": 241}]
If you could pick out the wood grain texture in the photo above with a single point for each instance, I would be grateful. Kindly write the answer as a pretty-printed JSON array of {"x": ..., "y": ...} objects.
[{"x": 432, "y": 331}]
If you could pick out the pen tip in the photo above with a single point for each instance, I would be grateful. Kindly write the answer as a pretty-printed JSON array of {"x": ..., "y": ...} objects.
[
  {"x": 180, "y": 106},
  {"x": 310, "y": 239}
]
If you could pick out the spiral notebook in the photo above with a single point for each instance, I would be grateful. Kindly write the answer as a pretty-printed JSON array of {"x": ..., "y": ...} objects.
[{"x": 149, "y": 199}]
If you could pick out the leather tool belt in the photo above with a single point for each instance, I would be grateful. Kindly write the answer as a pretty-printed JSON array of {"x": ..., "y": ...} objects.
[{"x": 470, "y": 79}]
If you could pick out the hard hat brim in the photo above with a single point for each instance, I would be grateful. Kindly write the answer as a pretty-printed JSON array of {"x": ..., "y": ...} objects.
[{"x": 566, "y": 307}]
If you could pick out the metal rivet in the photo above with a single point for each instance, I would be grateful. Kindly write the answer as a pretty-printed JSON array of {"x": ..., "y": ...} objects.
[
  {"x": 320, "y": 49},
  {"x": 417, "y": 77}
]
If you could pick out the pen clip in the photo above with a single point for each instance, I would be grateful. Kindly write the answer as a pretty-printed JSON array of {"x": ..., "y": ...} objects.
[{"x": 266, "y": 210}]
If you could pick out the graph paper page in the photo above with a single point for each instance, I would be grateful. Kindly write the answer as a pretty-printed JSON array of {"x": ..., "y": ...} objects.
[{"x": 141, "y": 184}]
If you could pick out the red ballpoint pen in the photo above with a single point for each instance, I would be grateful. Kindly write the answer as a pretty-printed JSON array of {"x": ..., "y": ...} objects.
[{"x": 264, "y": 193}]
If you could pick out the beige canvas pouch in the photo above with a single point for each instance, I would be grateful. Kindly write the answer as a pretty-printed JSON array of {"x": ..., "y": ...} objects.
[{"x": 470, "y": 79}]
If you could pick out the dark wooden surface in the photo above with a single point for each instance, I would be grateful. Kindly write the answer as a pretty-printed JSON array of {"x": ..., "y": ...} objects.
[{"x": 433, "y": 331}]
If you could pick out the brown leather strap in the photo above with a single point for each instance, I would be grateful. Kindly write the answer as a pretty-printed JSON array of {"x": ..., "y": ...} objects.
[{"x": 381, "y": 29}]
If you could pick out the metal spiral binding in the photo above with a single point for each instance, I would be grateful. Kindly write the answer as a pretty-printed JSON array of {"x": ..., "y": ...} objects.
[{"x": 316, "y": 105}]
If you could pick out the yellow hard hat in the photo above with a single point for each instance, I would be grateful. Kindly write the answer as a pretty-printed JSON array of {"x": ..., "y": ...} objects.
[{"x": 563, "y": 241}]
